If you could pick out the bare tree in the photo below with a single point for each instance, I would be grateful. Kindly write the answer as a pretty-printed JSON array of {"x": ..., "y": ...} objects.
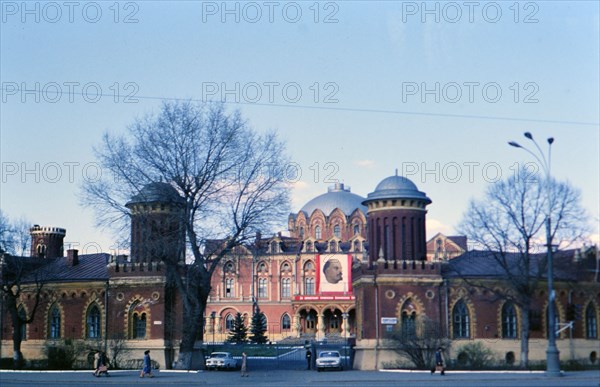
[
  {"x": 14, "y": 235},
  {"x": 6, "y": 232},
  {"x": 19, "y": 275},
  {"x": 419, "y": 343},
  {"x": 231, "y": 178},
  {"x": 508, "y": 224}
]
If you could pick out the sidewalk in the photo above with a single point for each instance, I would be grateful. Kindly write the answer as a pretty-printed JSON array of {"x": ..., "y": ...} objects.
[{"x": 300, "y": 378}]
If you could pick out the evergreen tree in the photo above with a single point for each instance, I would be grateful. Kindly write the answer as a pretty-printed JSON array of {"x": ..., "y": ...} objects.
[
  {"x": 258, "y": 328},
  {"x": 239, "y": 332}
]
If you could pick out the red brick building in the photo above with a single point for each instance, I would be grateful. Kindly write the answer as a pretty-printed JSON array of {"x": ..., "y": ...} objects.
[
  {"x": 387, "y": 276},
  {"x": 402, "y": 283},
  {"x": 284, "y": 275}
]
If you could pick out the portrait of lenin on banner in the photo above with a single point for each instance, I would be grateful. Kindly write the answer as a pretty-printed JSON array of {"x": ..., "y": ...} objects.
[{"x": 334, "y": 273}]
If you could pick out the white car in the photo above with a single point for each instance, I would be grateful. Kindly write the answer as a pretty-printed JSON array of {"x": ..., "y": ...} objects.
[
  {"x": 329, "y": 359},
  {"x": 221, "y": 361}
]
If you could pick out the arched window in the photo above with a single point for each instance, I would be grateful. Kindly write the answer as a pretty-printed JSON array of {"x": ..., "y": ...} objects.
[
  {"x": 356, "y": 229},
  {"x": 229, "y": 322},
  {"x": 301, "y": 232},
  {"x": 460, "y": 321},
  {"x": 591, "y": 324},
  {"x": 318, "y": 232},
  {"x": 22, "y": 316},
  {"x": 139, "y": 326},
  {"x": 308, "y": 266},
  {"x": 309, "y": 246},
  {"x": 509, "y": 321},
  {"x": 286, "y": 288},
  {"x": 286, "y": 322},
  {"x": 262, "y": 267},
  {"x": 262, "y": 288},
  {"x": 337, "y": 231},
  {"x": 285, "y": 267},
  {"x": 54, "y": 323},
  {"x": 229, "y": 268},
  {"x": 274, "y": 248},
  {"x": 41, "y": 250},
  {"x": 332, "y": 247},
  {"x": 93, "y": 323},
  {"x": 309, "y": 286},
  {"x": 356, "y": 246},
  {"x": 409, "y": 328}
]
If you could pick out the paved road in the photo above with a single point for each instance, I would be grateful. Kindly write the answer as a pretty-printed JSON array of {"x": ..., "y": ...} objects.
[{"x": 283, "y": 378}]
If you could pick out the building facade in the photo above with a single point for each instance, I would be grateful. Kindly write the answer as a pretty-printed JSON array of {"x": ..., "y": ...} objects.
[
  {"x": 403, "y": 284},
  {"x": 351, "y": 267}
]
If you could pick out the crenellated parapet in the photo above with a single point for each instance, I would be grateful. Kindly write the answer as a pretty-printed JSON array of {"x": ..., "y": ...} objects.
[
  {"x": 120, "y": 266},
  {"x": 47, "y": 241},
  {"x": 402, "y": 268}
]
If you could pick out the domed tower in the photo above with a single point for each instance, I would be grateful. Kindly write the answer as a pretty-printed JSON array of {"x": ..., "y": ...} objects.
[
  {"x": 47, "y": 242},
  {"x": 157, "y": 223},
  {"x": 396, "y": 220},
  {"x": 336, "y": 218}
]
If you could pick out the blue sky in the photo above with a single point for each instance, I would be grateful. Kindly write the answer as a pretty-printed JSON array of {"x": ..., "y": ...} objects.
[{"x": 353, "y": 89}]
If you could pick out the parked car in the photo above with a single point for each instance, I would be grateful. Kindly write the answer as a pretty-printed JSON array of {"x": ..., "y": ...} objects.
[
  {"x": 329, "y": 359},
  {"x": 221, "y": 361}
]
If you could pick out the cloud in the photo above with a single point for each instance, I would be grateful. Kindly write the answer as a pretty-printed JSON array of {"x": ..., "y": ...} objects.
[
  {"x": 365, "y": 163},
  {"x": 434, "y": 226},
  {"x": 299, "y": 185}
]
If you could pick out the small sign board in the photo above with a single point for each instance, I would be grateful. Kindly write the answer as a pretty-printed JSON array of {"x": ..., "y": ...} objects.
[{"x": 389, "y": 320}]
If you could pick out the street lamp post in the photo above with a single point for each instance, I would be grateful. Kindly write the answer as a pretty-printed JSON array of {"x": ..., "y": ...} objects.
[
  {"x": 213, "y": 314},
  {"x": 552, "y": 353},
  {"x": 345, "y": 318}
]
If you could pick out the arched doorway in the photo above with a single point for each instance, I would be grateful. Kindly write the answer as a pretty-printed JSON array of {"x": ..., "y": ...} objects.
[{"x": 308, "y": 322}]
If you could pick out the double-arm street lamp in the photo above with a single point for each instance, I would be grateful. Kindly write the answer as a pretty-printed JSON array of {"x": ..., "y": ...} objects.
[{"x": 552, "y": 354}]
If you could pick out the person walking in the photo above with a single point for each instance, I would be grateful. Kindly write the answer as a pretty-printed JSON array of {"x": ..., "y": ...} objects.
[
  {"x": 439, "y": 362},
  {"x": 147, "y": 370},
  {"x": 244, "y": 367},
  {"x": 97, "y": 363},
  {"x": 308, "y": 359}
]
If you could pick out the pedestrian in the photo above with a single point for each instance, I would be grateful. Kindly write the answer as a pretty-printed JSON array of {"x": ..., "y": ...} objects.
[
  {"x": 244, "y": 364},
  {"x": 308, "y": 358},
  {"x": 439, "y": 362},
  {"x": 100, "y": 364},
  {"x": 97, "y": 363},
  {"x": 147, "y": 370}
]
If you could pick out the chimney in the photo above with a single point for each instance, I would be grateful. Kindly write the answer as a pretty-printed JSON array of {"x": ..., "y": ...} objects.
[{"x": 72, "y": 257}]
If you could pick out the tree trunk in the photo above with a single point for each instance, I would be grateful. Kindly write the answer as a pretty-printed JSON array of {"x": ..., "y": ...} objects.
[
  {"x": 193, "y": 324},
  {"x": 524, "y": 328},
  {"x": 17, "y": 324}
]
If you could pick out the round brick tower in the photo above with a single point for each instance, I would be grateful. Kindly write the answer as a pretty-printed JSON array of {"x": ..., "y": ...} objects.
[
  {"x": 396, "y": 220},
  {"x": 47, "y": 242},
  {"x": 157, "y": 223}
]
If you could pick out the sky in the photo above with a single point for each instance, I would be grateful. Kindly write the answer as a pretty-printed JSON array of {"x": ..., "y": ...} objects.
[{"x": 356, "y": 89}]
